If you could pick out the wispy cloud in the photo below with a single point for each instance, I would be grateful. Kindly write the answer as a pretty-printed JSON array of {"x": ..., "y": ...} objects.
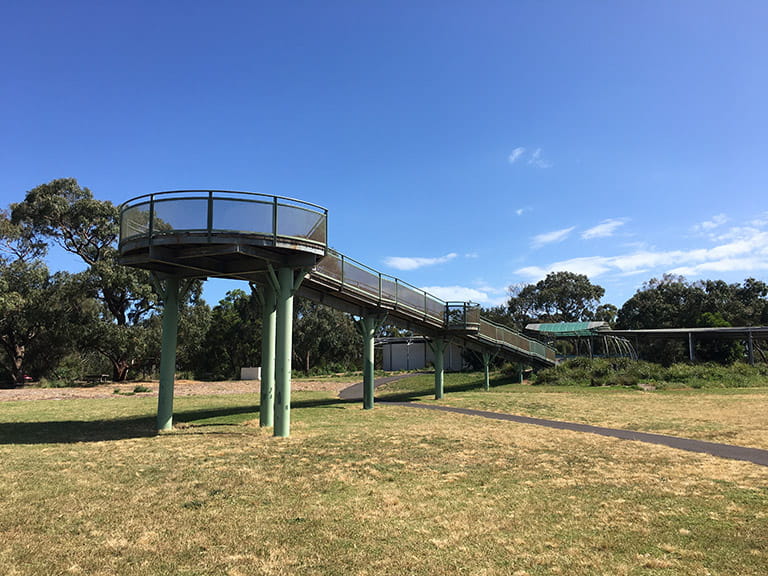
[
  {"x": 534, "y": 158},
  {"x": 551, "y": 237},
  {"x": 742, "y": 249},
  {"x": 605, "y": 229},
  {"x": 709, "y": 225},
  {"x": 415, "y": 262},
  {"x": 537, "y": 160},
  {"x": 516, "y": 154}
]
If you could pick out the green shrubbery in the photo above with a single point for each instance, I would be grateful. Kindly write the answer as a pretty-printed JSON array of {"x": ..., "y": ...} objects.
[{"x": 626, "y": 372}]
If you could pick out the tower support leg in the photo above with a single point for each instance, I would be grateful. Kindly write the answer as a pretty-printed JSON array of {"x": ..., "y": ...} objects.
[
  {"x": 438, "y": 347},
  {"x": 367, "y": 326},
  {"x": 168, "y": 354},
  {"x": 268, "y": 299},
  {"x": 486, "y": 370},
  {"x": 285, "y": 283}
]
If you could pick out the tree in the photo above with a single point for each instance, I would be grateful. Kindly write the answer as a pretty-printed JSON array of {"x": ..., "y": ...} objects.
[
  {"x": 70, "y": 216},
  {"x": 34, "y": 306},
  {"x": 499, "y": 315},
  {"x": 324, "y": 336},
  {"x": 36, "y": 312},
  {"x": 673, "y": 302},
  {"x": 559, "y": 297},
  {"x": 233, "y": 337}
]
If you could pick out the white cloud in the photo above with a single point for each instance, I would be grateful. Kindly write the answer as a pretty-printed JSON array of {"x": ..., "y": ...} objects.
[
  {"x": 534, "y": 158},
  {"x": 413, "y": 263},
  {"x": 590, "y": 266},
  {"x": 516, "y": 154},
  {"x": 716, "y": 221},
  {"x": 605, "y": 229},
  {"x": 726, "y": 265},
  {"x": 457, "y": 294},
  {"x": 520, "y": 211},
  {"x": 745, "y": 250},
  {"x": 551, "y": 237},
  {"x": 538, "y": 161}
]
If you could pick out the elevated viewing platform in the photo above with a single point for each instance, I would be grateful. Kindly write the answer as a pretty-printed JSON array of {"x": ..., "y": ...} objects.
[
  {"x": 280, "y": 246},
  {"x": 200, "y": 233}
]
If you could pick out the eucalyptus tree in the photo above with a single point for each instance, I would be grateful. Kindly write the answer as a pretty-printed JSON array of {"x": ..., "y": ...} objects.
[
  {"x": 68, "y": 215},
  {"x": 559, "y": 297},
  {"x": 35, "y": 307}
]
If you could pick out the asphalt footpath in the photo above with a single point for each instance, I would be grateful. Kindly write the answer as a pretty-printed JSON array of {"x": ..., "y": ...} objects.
[{"x": 754, "y": 455}]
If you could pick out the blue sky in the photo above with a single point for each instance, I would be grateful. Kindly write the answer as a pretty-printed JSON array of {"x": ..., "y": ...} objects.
[{"x": 461, "y": 146}]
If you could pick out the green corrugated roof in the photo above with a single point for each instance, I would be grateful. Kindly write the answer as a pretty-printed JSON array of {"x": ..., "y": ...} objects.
[{"x": 563, "y": 329}]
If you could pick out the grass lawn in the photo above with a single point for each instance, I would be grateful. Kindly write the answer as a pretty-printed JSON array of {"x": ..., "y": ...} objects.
[
  {"x": 88, "y": 488},
  {"x": 728, "y": 415}
]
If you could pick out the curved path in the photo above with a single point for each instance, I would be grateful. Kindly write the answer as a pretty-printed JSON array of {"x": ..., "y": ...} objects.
[
  {"x": 355, "y": 392},
  {"x": 754, "y": 455}
]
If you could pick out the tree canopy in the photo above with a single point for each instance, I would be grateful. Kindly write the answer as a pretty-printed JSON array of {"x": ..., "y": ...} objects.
[
  {"x": 559, "y": 297},
  {"x": 65, "y": 325}
]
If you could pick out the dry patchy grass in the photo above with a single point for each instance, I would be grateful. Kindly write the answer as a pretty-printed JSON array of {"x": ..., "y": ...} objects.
[
  {"x": 732, "y": 416},
  {"x": 389, "y": 491}
]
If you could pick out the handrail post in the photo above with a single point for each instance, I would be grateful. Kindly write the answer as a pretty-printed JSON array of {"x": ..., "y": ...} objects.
[
  {"x": 274, "y": 220},
  {"x": 151, "y": 217},
  {"x": 210, "y": 214}
]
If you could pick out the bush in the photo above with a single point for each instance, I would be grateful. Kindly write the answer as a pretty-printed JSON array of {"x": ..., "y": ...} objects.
[{"x": 627, "y": 372}]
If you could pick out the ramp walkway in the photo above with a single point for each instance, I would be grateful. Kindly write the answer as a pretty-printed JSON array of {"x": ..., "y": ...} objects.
[{"x": 279, "y": 245}]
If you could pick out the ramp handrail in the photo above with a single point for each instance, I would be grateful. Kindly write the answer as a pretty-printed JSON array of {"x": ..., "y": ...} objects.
[{"x": 385, "y": 290}]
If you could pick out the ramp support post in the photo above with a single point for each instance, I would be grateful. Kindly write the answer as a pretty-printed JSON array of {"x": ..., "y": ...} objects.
[
  {"x": 487, "y": 359},
  {"x": 285, "y": 284},
  {"x": 267, "y": 296},
  {"x": 438, "y": 347},
  {"x": 169, "y": 292},
  {"x": 367, "y": 327}
]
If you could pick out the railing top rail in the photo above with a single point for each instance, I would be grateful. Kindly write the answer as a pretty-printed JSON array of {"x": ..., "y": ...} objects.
[
  {"x": 340, "y": 256},
  {"x": 222, "y": 194},
  {"x": 517, "y": 333}
]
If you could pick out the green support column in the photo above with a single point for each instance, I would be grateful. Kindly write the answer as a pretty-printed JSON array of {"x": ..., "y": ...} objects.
[
  {"x": 268, "y": 300},
  {"x": 438, "y": 347},
  {"x": 367, "y": 327},
  {"x": 486, "y": 368},
  {"x": 285, "y": 282},
  {"x": 170, "y": 295}
]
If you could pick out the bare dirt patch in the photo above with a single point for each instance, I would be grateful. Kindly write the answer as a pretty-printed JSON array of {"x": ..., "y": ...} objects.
[{"x": 181, "y": 388}]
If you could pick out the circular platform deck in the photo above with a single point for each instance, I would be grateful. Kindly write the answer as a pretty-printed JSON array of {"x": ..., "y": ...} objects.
[{"x": 216, "y": 233}]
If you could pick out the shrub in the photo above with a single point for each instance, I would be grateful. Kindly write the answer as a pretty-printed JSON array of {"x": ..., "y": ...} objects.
[{"x": 626, "y": 372}]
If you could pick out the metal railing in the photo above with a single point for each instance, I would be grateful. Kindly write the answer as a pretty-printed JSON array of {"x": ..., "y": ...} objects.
[
  {"x": 211, "y": 212},
  {"x": 502, "y": 334},
  {"x": 203, "y": 214},
  {"x": 383, "y": 290}
]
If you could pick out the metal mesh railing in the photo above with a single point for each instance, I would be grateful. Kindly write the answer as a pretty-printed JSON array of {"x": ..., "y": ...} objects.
[
  {"x": 213, "y": 212},
  {"x": 351, "y": 276}
]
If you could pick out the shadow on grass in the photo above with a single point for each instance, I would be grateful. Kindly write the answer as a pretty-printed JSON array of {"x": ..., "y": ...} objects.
[{"x": 71, "y": 431}]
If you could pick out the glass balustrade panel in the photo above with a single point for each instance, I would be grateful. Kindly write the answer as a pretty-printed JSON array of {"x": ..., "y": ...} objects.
[
  {"x": 180, "y": 214},
  {"x": 246, "y": 216},
  {"x": 361, "y": 279},
  {"x": 298, "y": 222},
  {"x": 134, "y": 221}
]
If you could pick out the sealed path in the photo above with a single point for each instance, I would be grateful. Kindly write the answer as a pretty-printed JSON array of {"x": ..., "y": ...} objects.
[{"x": 754, "y": 455}]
